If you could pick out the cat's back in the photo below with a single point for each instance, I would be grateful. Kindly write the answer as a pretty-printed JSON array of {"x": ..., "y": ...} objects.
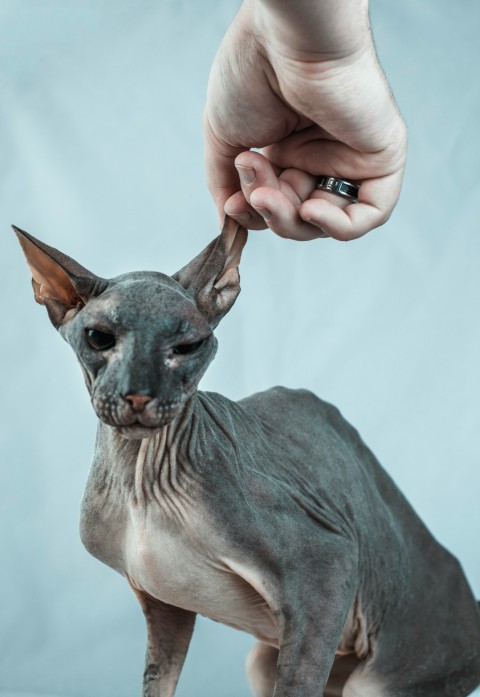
[
  {"x": 320, "y": 450},
  {"x": 299, "y": 413},
  {"x": 281, "y": 402}
]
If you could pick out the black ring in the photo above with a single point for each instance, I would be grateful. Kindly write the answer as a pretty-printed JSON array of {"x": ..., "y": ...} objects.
[{"x": 340, "y": 187}]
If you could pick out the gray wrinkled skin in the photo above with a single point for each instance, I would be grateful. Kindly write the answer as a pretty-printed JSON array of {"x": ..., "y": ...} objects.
[{"x": 269, "y": 514}]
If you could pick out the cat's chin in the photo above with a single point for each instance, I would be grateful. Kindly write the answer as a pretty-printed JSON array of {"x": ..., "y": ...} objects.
[{"x": 137, "y": 431}]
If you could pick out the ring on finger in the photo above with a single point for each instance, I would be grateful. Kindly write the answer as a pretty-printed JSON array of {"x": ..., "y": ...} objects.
[{"x": 340, "y": 187}]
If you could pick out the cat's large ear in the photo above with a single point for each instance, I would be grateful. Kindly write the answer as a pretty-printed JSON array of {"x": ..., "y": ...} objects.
[
  {"x": 58, "y": 282},
  {"x": 212, "y": 278}
]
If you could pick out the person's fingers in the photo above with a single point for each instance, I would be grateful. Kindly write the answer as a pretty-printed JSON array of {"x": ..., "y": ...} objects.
[
  {"x": 282, "y": 216},
  {"x": 259, "y": 178},
  {"x": 297, "y": 185},
  {"x": 238, "y": 208},
  {"x": 255, "y": 171},
  {"x": 377, "y": 199}
]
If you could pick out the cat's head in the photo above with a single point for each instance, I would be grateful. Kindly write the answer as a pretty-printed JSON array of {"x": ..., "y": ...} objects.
[{"x": 143, "y": 339}]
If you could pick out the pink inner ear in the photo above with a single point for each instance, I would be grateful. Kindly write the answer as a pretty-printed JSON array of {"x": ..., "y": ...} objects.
[
  {"x": 234, "y": 238},
  {"x": 229, "y": 277},
  {"x": 49, "y": 280}
]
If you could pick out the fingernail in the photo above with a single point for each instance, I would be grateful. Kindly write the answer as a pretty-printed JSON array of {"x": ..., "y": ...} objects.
[
  {"x": 247, "y": 174},
  {"x": 266, "y": 214}
]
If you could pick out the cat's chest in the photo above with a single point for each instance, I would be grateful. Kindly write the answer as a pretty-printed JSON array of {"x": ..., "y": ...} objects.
[
  {"x": 183, "y": 562},
  {"x": 186, "y": 566}
]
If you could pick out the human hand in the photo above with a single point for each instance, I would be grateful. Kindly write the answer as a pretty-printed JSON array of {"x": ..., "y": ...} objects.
[{"x": 327, "y": 111}]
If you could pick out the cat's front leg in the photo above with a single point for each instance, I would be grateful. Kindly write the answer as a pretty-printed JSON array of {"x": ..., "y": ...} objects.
[
  {"x": 315, "y": 601},
  {"x": 169, "y": 631}
]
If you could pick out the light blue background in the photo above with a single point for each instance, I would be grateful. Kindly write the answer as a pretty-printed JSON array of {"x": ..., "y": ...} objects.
[{"x": 101, "y": 156}]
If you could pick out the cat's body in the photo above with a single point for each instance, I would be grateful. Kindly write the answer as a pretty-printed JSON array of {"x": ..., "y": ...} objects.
[
  {"x": 269, "y": 515},
  {"x": 192, "y": 521}
]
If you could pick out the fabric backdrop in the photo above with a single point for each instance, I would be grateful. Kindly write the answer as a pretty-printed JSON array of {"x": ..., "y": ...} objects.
[{"x": 101, "y": 156}]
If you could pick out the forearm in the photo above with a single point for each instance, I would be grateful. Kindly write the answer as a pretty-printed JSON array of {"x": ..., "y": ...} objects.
[{"x": 313, "y": 29}]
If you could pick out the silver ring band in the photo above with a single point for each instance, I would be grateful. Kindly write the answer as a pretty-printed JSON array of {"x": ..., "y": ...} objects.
[{"x": 340, "y": 187}]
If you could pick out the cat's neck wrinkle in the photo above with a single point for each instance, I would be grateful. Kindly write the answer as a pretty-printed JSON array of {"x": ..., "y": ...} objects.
[{"x": 162, "y": 471}]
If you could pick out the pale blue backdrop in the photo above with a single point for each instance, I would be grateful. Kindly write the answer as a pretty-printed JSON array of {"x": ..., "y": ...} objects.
[{"x": 101, "y": 155}]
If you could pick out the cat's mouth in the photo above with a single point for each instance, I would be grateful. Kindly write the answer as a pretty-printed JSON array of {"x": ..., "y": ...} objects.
[
  {"x": 137, "y": 431},
  {"x": 144, "y": 424}
]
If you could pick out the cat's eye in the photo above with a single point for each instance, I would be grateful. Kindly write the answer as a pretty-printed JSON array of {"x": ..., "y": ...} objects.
[
  {"x": 183, "y": 349},
  {"x": 100, "y": 341}
]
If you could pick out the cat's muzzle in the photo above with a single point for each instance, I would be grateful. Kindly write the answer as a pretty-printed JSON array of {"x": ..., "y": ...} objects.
[{"x": 133, "y": 422}]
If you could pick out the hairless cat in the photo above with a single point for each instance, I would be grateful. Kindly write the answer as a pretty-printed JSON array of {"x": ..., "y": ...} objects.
[{"x": 268, "y": 514}]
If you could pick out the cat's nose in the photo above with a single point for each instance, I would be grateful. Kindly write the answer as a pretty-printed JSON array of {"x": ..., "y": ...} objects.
[{"x": 138, "y": 401}]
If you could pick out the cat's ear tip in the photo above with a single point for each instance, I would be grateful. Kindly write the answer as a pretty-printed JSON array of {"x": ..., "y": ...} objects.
[{"x": 23, "y": 235}]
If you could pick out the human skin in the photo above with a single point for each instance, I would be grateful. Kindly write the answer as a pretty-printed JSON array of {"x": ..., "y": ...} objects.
[{"x": 301, "y": 81}]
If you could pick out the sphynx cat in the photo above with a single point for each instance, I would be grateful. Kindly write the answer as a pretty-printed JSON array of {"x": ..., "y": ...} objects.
[{"x": 268, "y": 514}]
